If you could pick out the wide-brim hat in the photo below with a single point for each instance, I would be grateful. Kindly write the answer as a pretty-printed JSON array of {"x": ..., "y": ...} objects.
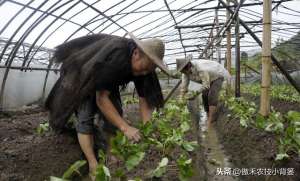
[
  {"x": 182, "y": 62},
  {"x": 154, "y": 48}
]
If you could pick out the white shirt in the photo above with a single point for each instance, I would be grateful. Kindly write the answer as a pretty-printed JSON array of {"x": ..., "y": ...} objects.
[{"x": 204, "y": 72}]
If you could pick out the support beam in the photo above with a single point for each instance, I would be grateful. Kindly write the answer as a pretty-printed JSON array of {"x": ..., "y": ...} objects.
[
  {"x": 212, "y": 24},
  {"x": 211, "y": 39},
  {"x": 237, "y": 58},
  {"x": 172, "y": 91},
  {"x": 266, "y": 59},
  {"x": 251, "y": 68},
  {"x": 29, "y": 68},
  {"x": 228, "y": 46},
  {"x": 175, "y": 22},
  {"x": 224, "y": 28},
  {"x": 218, "y": 45}
]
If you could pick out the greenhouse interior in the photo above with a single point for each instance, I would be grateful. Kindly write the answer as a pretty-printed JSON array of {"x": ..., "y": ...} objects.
[{"x": 150, "y": 90}]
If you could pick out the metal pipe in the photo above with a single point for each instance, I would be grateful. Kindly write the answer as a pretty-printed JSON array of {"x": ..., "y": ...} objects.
[{"x": 237, "y": 57}]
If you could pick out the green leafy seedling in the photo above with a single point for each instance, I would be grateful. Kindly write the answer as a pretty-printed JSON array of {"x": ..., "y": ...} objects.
[
  {"x": 190, "y": 146},
  {"x": 161, "y": 168},
  {"x": 281, "y": 156},
  {"x": 185, "y": 168},
  {"x": 74, "y": 168},
  {"x": 42, "y": 128},
  {"x": 102, "y": 173},
  {"x": 134, "y": 160}
]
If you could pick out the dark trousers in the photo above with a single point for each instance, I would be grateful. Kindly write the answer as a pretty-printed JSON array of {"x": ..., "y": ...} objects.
[
  {"x": 210, "y": 96},
  {"x": 90, "y": 120}
]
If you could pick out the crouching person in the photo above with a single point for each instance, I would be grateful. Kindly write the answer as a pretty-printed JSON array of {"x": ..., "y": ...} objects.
[
  {"x": 94, "y": 69},
  {"x": 208, "y": 73}
]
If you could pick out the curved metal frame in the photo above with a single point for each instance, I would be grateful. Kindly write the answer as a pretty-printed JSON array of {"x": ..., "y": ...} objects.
[{"x": 190, "y": 41}]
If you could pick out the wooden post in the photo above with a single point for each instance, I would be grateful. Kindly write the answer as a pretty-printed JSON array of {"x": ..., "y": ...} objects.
[
  {"x": 218, "y": 50},
  {"x": 237, "y": 56},
  {"x": 228, "y": 50},
  {"x": 266, "y": 59}
]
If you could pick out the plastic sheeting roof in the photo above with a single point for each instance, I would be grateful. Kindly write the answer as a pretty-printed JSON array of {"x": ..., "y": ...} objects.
[{"x": 30, "y": 29}]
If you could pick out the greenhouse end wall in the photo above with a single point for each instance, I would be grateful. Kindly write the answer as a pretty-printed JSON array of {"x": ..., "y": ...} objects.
[{"x": 25, "y": 88}]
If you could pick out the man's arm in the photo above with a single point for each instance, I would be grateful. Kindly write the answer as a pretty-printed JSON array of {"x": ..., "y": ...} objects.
[
  {"x": 145, "y": 110},
  {"x": 205, "y": 79},
  {"x": 112, "y": 115},
  {"x": 184, "y": 85}
]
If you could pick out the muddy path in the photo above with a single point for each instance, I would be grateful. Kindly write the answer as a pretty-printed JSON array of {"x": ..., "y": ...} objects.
[{"x": 212, "y": 154}]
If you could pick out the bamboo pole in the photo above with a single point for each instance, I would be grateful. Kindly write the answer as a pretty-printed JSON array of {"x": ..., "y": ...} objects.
[
  {"x": 266, "y": 59},
  {"x": 228, "y": 47},
  {"x": 218, "y": 49}
]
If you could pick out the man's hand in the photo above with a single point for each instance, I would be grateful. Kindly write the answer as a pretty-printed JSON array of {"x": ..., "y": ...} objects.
[
  {"x": 112, "y": 115},
  {"x": 131, "y": 133}
]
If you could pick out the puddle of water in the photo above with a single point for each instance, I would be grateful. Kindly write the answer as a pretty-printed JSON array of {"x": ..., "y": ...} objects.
[{"x": 214, "y": 152}]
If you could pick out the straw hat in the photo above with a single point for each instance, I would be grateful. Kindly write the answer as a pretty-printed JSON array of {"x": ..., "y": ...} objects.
[
  {"x": 154, "y": 48},
  {"x": 182, "y": 62}
]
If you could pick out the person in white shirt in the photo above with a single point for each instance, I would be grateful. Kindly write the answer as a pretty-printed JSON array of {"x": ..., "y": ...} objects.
[{"x": 210, "y": 74}]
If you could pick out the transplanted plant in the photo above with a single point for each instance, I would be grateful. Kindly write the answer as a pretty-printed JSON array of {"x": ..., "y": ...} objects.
[
  {"x": 164, "y": 133},
  {"x": 42, "y": 128},
  {"x": 70, "y": 172}
]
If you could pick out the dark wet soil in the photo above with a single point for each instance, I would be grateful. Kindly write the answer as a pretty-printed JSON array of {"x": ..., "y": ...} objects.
[
  {"x": 27, "y": 156},
  {"x": 278, "y": 105},
  {"x": 252, "y": 148}
]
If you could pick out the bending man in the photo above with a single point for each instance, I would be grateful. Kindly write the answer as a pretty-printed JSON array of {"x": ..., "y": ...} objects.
[
  {"x": 208, "y": 73},
  {"x": 94, "y": 69}
]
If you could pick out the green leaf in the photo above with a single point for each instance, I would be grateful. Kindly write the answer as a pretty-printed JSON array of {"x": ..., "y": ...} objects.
[
  {"x": 244, "y": 122},
  {"x": 134, "y": 160},
  {"x": 42, "y": 128},
  {"x": 161, "y": 169},
  {"x": 102, "y": 173},
  {"x": 281, "y": 156},
  {"x": 185, "y": 168},
  {"x": 260, "y": 121},
  {"x": 101, "y": 156},
  {"x": 117, "y": 145},
  {"x": 155, "y": 142},
  {"x": 274, "y": 127},
  {"x": 293, "y": 116},
  {"x": 147, "y": 129},
  {"x": 74, "y": 168},
  {"x": 185, "y": 127},
  {"x": 190, "y": 146}
]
